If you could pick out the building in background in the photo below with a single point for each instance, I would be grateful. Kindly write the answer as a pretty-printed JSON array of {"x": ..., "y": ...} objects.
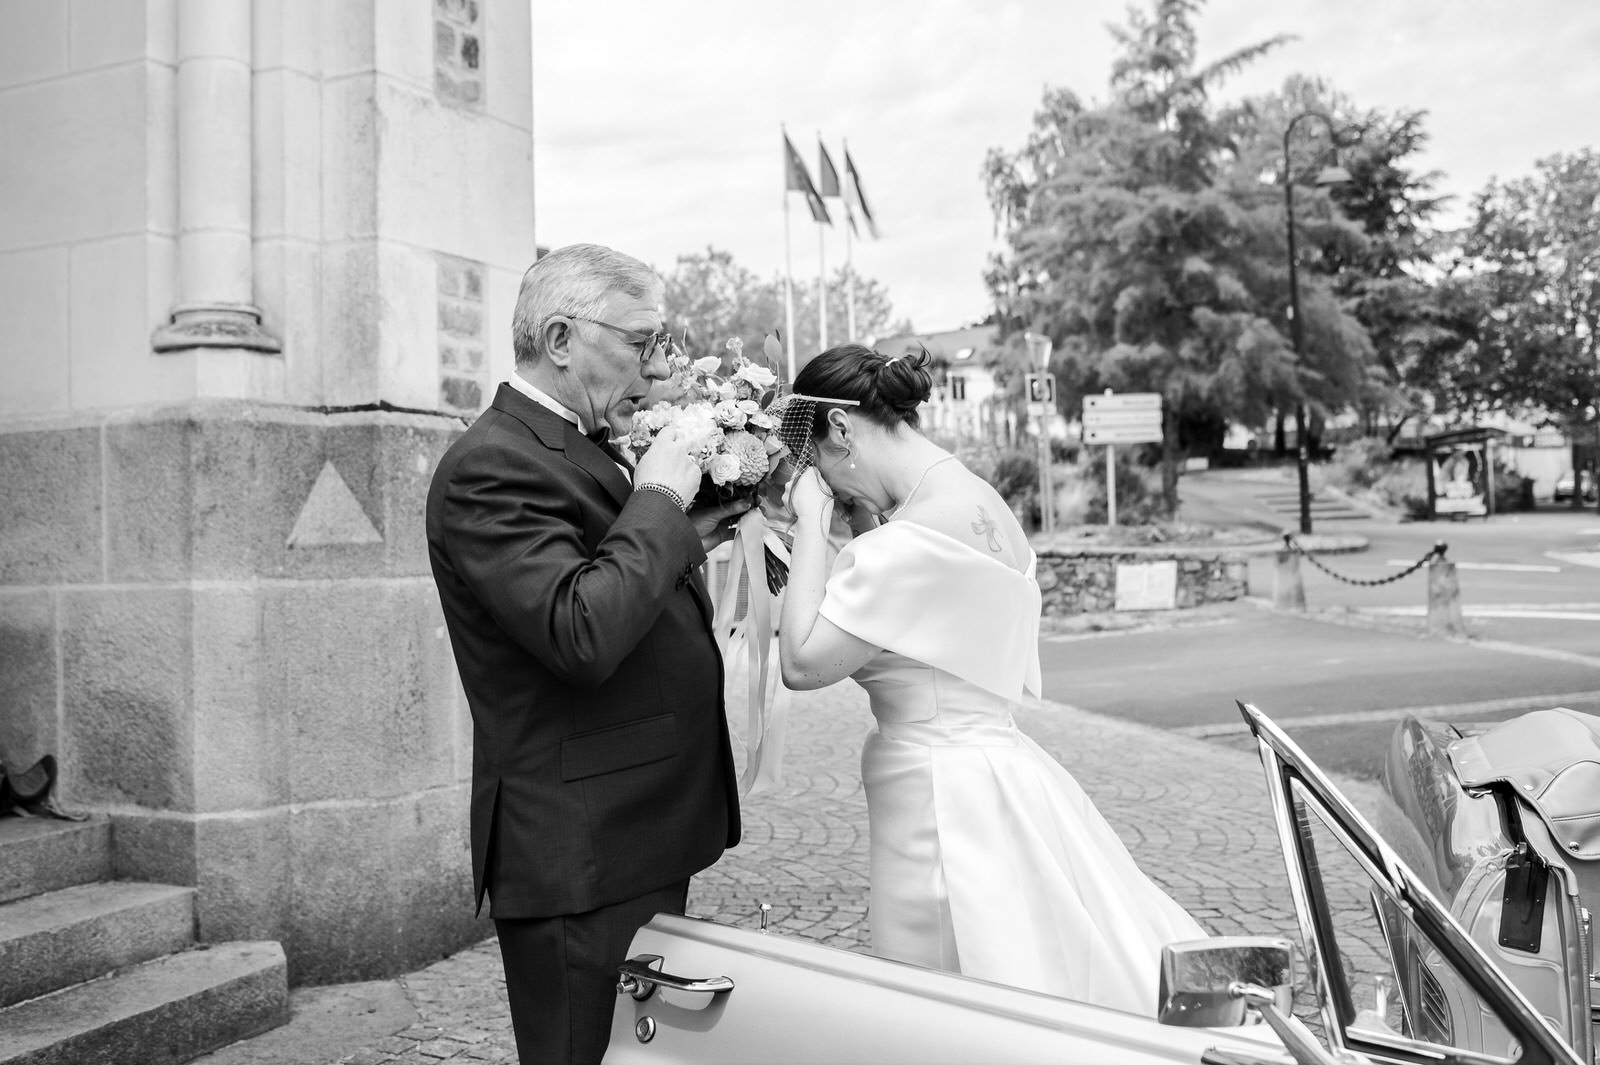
[{"x": 257, "y": 260}]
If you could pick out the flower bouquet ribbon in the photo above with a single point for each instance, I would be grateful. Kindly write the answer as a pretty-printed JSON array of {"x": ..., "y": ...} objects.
[{"x": 750, "y": 637}]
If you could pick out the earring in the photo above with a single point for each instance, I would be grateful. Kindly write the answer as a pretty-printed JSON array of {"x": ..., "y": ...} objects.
[{"x": 847, "y": 454}]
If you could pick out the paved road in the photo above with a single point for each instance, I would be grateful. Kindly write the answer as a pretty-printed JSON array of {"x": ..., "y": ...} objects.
[
  {"x": 1347, "y": 684},
  {"x": 1530, "y": 589}
]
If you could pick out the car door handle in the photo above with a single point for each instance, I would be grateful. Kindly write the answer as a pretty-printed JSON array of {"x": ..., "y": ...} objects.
[{"x": 637, "y": 978}]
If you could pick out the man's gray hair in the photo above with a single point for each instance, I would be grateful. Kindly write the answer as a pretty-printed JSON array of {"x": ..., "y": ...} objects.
[{"x": 574, "y": 280}]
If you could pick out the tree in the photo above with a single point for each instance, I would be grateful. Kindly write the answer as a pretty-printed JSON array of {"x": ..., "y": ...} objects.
[
  {"x": 1533, "y": 251},
  {"x": 1379, "y": 279},
  {"x": 1152, "y": 257},
  {"x": 716, "y": 298}
]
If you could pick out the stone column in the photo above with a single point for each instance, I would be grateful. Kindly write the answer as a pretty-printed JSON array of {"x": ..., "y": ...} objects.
[{"x": 216, "y": 300}]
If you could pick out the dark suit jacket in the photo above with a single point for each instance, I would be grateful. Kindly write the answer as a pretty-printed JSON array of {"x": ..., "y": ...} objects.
[{"x": 601, "y": 766}]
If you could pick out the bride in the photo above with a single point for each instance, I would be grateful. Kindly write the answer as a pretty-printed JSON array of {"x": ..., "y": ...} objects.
[{"x": 987, "y": 858}]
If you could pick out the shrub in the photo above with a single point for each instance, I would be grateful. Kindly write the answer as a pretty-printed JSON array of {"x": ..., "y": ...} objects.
[
  {"x": 1512, "y": 491},
  {"x": 1359, "y": 463},
  {"x": 1139, "y": 500}
]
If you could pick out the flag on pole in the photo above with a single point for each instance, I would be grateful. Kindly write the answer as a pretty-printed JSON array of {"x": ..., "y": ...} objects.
[
  {"x": 853, "y": 192},
  {"x": 798, "y": 179},
  {"x": 827, "y": 176}
]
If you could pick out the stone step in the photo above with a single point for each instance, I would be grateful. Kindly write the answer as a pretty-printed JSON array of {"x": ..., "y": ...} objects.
[
  {"x": 65, "y": 937},
  {"x": 40, "y": 854},
  {"x": 161, "y": 1012}
]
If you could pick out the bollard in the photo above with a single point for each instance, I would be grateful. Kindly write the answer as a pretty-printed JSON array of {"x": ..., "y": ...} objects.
[
  {"x": 1444, "y": 596},
  {"x": 1288, "y": 592}
]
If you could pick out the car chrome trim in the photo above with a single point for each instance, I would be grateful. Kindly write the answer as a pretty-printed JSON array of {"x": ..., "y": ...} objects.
[
  {"x": 1285, "y": 762},
  {"x": 639, "y": 978}
]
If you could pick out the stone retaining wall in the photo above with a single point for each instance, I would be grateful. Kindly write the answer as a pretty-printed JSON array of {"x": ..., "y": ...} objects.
[{"x": 1086, "y": 580}]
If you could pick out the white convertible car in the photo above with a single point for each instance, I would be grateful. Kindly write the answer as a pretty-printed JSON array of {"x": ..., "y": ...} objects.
[{"x": 1462, "y": 937}]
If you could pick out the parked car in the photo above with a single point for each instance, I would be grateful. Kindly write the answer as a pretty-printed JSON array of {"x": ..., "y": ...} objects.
[
  {"x": 1564, "y": 484},
  {"x": 1471, "y": 948}
]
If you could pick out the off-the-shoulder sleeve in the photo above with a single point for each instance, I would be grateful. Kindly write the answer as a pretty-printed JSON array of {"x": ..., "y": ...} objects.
[{"x": 917, "y": 592}]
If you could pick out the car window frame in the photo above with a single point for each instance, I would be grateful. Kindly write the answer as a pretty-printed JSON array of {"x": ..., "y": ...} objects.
[{"x": 1285, "y": 764}]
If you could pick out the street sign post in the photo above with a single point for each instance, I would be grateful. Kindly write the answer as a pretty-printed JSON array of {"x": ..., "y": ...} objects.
[
  {"x": 1120, "y": 418},
  {"x": 1042, "y": 406}
]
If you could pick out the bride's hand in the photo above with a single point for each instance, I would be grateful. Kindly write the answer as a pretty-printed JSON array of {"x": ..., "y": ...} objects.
[{"x": 808, "y": 496}]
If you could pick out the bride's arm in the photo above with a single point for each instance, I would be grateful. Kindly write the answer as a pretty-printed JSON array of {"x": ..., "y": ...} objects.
[{"x": 813, "y": 651}]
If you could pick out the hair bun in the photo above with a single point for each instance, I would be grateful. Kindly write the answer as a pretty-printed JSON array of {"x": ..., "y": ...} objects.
[{"x": 904, "y": 382}]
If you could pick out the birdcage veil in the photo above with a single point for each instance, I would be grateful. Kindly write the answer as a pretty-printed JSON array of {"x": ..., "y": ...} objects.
[{"x": 794, "y": 415}]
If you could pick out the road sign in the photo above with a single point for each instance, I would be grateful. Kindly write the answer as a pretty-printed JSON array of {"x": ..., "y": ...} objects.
[
  {"x": 1122, "y": 435},
  {"x": 1105, "y": 419},
  {"x": 1109, "y": 401},
  {"x": 1042, "y": 388}
]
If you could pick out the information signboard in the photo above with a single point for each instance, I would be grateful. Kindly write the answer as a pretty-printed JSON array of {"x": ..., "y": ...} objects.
[{"x": 1122, "y": 418}]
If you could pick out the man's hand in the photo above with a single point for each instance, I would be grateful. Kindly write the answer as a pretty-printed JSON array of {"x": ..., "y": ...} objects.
[
  {"x": 715, "y": 524},
  {"x": 668, "y": 464}
]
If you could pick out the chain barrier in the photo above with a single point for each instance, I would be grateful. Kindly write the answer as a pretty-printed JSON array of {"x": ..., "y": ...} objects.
[{"x": 1437, "y": 551}]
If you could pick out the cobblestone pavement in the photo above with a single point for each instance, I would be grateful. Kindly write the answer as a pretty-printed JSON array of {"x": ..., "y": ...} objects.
[{"x": 1194, "y": 814}]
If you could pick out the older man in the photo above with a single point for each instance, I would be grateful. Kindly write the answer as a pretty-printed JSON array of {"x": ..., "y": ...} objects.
[{"x": 602, "y": 775}]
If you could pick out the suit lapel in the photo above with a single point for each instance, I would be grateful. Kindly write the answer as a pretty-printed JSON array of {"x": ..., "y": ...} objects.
[
  {"x": 558, "y": 434},
  {"x": 584, "y": 454}
]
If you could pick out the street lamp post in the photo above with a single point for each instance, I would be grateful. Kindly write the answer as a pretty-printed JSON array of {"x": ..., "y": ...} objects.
[{"x": 1331, "y": 175}]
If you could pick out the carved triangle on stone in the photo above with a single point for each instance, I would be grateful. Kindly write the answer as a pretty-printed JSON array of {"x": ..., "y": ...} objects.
[{"x": 332, "y": 515}]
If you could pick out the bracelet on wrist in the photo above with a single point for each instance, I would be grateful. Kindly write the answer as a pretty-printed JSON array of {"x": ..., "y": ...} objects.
[{"x": 651, "y": 486}]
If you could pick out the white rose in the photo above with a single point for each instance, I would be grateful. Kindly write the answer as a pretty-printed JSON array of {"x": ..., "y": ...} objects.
[
  {"x": 708, "y": 365},
  {"x": 759, "y": 377},
  {"x": 761, "y": 421},
  {"x": 724, "y": 468}
]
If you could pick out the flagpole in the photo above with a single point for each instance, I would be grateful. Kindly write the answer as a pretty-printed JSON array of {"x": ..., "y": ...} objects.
[
  {"x": 788, "y": 272},
  {"x": 849, "y": 262},
  {"x": 822, "y": 290}
]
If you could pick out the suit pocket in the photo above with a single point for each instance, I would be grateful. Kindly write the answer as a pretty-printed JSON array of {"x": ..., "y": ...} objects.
[{"x": 607, "y": 750}]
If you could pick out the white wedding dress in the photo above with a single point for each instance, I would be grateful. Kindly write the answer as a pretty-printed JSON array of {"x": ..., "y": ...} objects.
[{"x": 987, "y": 858}]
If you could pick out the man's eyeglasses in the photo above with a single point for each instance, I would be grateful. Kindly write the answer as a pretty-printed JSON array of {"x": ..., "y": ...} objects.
[{"x": 648, "y": 343}]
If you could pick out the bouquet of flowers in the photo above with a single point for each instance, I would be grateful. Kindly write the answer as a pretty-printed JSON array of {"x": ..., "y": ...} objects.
[
  {"x": 736, "y": 440},
  {"x": 721, "y": 415}
]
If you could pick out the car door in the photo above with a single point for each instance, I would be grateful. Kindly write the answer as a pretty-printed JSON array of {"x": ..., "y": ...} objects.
[
  {"x": 773, "y": 998},
  {"x": 1401, "y": 980}
]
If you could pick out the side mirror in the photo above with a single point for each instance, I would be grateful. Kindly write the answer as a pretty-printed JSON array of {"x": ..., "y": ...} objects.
[{"x": 1201, "y": 979}]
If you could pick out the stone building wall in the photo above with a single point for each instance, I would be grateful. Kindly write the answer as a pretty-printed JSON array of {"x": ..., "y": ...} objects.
[{"x": 215, "y": 600}]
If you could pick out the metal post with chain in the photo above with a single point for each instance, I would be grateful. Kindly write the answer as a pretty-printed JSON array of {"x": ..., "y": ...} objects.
[{"x": 1444, "y": 593}]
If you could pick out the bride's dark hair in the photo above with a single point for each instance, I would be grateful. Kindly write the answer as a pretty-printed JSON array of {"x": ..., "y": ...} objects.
[{"x": 889, "y": 390}]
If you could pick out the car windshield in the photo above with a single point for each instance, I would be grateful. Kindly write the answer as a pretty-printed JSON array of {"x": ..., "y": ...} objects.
[
  {"x": 1388, "y": 986},
  {"x": 1401, "y": 979}
]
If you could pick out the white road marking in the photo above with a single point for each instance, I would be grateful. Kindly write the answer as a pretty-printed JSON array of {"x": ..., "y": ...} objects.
[
  {"x": 1514, "y": 613},
  {"x": 1576, "y": 558},
  {"x": 1505, "y": 567},
  {"x": 1361, "y": 717}
]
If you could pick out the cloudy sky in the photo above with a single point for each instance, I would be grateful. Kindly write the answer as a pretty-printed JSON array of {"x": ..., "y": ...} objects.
[{"x": 656, "y": 122}]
